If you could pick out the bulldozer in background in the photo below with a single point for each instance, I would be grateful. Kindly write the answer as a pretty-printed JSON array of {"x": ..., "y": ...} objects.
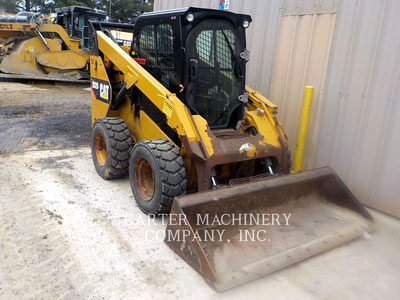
[
  {"x": 176, "y": 115},
  {"x": 36, "y": 47}
]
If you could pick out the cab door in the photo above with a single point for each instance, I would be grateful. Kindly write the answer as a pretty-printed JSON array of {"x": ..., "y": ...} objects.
[{"x": 215, "y": 73}]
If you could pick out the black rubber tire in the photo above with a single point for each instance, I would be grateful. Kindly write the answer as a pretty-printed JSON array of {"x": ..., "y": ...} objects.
[
  {"x": 169, "y": 175},
  {"x": 118, "y": 143}
]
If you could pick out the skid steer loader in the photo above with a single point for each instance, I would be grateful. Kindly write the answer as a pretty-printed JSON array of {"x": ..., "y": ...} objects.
[
  {"x": 36, "y": 47},
  {"x": 175, "y": 114}
]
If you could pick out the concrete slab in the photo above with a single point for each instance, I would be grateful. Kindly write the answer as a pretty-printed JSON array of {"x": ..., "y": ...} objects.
[{"x": 67, "y": 233}]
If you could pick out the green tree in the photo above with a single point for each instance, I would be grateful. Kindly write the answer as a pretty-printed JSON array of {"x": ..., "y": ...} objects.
[
  {"x": 127, "y": 10},
  {"x": 37, "y": 6},
  {"x": 86, "y": 3},
  {"x": 9, "y": 6},
  {"x": 121, "y": 10}
]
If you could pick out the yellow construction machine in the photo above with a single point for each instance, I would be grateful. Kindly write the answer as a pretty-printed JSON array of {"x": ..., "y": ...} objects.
[
  {"x": 37, "y": 47},
  {"x": 175, "y": 114}
]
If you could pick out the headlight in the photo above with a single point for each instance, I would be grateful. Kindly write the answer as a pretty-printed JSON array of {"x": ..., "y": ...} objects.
[
  {"x": 190, "y": 17},
  {"x": 246, "y": 23}
]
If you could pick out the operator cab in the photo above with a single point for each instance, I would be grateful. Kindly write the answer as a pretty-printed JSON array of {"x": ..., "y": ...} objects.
[
  {"x": 200, "y": 55},
  {"x": 75, "y": 20}
]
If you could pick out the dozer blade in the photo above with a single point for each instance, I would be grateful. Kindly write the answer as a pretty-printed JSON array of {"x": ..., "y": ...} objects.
[{"x": 265, "y": 225}]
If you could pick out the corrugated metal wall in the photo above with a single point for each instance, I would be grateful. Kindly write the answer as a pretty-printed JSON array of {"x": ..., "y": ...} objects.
[
  {"x": 359, "y": 125},
  {"x": 302, "y": 57},
  {"x": 350, "y": 51}
]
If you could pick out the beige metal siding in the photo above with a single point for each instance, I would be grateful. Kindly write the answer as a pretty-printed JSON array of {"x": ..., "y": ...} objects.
[
  {"x": 169, "y": 4},
  {"x": 360, "y": 120},
  {"x": 354, "y": 125},
  {"x": 353, "y": 59},
  {"x": 302, "y": 57}
]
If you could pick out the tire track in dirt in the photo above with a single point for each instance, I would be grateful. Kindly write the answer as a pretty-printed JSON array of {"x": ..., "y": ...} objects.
[{"x": 35, "y": 259}]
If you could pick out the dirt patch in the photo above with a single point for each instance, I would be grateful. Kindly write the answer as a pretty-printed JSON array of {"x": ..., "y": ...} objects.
[
  {"x": 12, "y": 111},
  {"x": 55, "y": 162},
  {"x": 53, "y": 215},
  {"x": 43, "y": 117}
]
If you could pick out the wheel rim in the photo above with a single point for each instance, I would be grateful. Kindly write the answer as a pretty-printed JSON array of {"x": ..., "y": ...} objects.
[
  {"x": 144, "y": 179},
  {"x": 100, "y": 149}
]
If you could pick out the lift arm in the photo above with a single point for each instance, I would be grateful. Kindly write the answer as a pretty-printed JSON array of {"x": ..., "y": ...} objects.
[{"x": 178, "y": 116}]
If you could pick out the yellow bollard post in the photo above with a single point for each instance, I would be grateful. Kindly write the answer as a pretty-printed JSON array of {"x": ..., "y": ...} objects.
[{"x": 302, "y": 133}]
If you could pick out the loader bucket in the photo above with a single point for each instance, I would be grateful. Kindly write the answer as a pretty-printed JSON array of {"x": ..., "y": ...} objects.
[{"x": 257, "y": 236}]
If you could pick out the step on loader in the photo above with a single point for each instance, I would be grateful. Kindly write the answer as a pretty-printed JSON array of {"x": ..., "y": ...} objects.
[{"x": 176, "y": 115}]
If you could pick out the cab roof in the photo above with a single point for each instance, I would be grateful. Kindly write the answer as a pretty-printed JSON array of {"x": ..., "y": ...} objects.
[
  {"x": 80, "y": 9},
  {"x": 198, "y": 12}
]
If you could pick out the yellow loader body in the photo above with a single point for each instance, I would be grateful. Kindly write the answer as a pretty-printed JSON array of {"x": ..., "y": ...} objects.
[
  {"x": 32, "y": 54},
  {"x": 236, "y": 180}
]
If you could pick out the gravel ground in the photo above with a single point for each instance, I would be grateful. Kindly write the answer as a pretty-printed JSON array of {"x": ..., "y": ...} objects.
[
  {"x": 34, "y": 117},
  {"x": 65, "y": 233}
]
